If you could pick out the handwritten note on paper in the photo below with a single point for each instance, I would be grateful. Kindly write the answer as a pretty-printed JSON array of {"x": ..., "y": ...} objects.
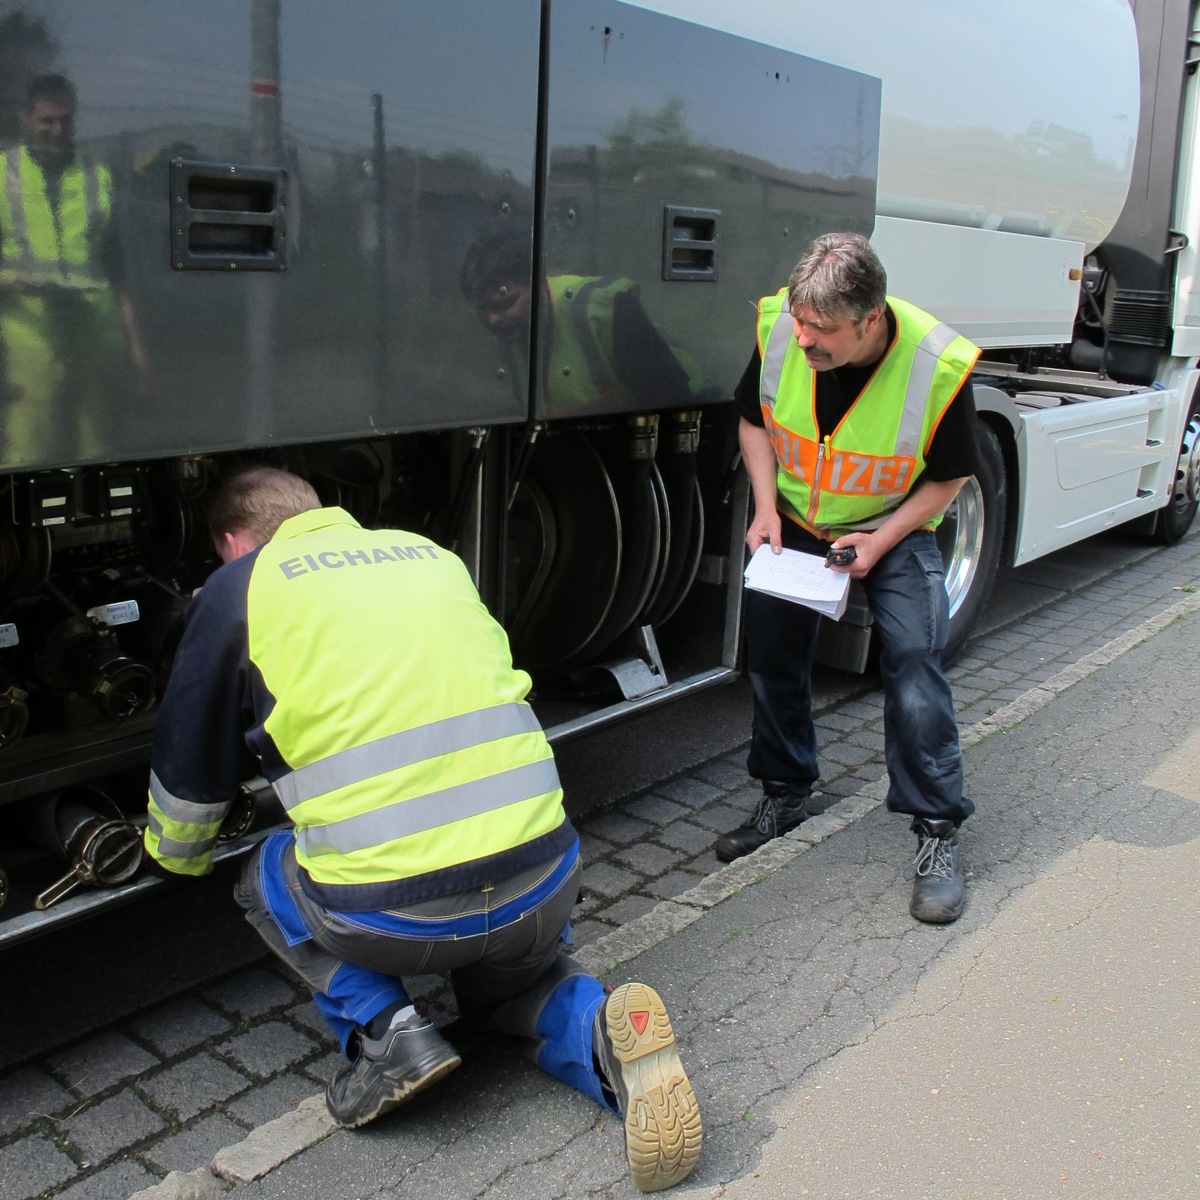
[{"x": 799, "y": 577}]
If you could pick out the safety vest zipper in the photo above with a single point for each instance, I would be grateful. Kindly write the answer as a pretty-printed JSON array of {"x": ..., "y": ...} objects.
[{"x": 815, "y": 493}]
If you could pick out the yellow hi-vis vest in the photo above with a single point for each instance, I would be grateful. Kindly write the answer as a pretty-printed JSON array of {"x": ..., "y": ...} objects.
[
  {"x": 389, "y": 717},
  {"x": 580, "y": 367},
  {"x": 52, "y": 244},
  {"x": 854, "y": 477}
]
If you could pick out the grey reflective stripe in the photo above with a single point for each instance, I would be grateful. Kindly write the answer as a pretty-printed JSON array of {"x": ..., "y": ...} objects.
[
  {"x": 772, "y": 367},
  {"x": 16, "y": 207},
  {"x": 403, "y": 749},
  {"x": 184, "y": 812},
  {"x": 91, "y": 193},
  {"x": 431, "y": 811},
  {"x": 577, "y": 309},
  {"x": 920, "y": 381},
  {"x": 169, "y": 848}
]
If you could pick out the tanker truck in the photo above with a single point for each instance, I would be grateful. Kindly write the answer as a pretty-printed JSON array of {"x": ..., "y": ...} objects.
[
  {"x": 1035, "y": 191},
  {"x": 486, "y": 271}
]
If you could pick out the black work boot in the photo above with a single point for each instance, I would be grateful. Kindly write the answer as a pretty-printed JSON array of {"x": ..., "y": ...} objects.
[
  {"x": 938, "y": 890},
  {"x": 636, "y": 1056},
  {"x": 777, "y": 812},
  {"x": 389, "y": 1070}
]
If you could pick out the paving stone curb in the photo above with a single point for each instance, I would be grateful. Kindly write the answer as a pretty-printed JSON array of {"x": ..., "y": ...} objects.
[
  {"x": 275, "y": 1142},
  {"x": 178, "y": 1185}
]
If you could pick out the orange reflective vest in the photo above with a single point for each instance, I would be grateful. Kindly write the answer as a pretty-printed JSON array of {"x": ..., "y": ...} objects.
[{"x": 852, "y": 478}]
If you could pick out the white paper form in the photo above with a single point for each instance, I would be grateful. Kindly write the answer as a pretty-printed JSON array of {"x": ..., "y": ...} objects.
[{"x": 799, "y": 577}]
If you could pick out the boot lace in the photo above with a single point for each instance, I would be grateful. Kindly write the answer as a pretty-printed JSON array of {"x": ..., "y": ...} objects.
[
  {"x": 765, "y": 819},
  {"x": 934, "y": 858}
]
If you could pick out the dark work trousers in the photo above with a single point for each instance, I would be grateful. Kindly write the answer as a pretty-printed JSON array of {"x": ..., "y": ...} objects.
[
  {"x": 907, "y": 598},
  {"x": 498, "y": 945}
]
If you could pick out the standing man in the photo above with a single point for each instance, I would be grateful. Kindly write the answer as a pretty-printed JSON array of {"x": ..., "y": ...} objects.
[
  {"x": 857, "y": 430},
  {"x": 69, "y": 343},
  {"x": 362, "y": 671}
]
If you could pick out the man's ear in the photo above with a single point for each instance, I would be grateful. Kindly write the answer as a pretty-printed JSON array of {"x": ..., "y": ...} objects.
[{"x": 235, "y": 543}]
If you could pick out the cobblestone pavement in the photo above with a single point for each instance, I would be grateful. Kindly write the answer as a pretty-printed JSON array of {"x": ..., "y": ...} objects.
[{"x": 162, "y": 1092}]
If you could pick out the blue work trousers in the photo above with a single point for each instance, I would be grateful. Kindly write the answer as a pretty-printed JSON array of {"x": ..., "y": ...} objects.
[
  {"x": 498, "y": 944},
  {"x": 907, "y": 598}
]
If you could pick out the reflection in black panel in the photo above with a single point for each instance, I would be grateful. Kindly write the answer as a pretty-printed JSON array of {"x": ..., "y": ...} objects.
[
  {"x": 400, "y": 153},
  {"x": 673, "y": 148}
]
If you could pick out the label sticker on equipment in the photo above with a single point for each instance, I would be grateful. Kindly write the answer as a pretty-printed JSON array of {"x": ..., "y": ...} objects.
[{"x": 121, "y": 612}]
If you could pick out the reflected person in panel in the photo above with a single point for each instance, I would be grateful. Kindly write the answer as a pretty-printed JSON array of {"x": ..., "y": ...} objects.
[
  {"x": 70, "y": 345},
  {"x": 602, "y": 351}
]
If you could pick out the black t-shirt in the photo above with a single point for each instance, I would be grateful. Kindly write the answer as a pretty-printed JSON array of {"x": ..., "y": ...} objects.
[{"x": 952, "y": 454}]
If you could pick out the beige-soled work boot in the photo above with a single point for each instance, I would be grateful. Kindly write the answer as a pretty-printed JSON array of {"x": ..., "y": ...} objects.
[{"x": 635, "y": 1048}]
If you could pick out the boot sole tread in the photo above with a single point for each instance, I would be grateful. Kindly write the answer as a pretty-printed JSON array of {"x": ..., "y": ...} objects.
[{"x": 663, "y": 1130}]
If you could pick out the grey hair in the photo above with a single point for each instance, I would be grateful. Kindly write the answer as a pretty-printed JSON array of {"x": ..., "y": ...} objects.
[{"x": 839, "y": 276}]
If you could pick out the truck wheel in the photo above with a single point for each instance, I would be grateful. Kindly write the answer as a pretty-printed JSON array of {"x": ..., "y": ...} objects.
[
  {"x": 970, "y": 538},
  {"x": 1175, "y": 518}
]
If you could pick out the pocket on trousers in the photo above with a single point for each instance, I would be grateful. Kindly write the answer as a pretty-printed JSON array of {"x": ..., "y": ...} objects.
[
  {"x": 929, "y": 559},
  {"x": 276, "y": 891}
]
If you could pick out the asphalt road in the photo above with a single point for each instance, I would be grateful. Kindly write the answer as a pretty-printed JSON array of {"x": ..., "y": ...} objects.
[{"x": 88, "y": 975}]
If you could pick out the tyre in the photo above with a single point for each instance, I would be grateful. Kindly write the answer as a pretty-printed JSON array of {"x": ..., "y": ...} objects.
[
  {"x": 971, "y": 537},
  {"x": 1175, "y": 518}
]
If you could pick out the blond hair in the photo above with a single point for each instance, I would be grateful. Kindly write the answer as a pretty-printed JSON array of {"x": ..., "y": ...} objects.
[{"x": 257, "y": 500}]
